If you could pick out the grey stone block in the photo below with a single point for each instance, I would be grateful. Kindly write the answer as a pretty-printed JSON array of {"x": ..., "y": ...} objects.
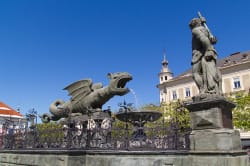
[
  {"x": 125, "y": 158},
  {"x": 215, "y": 140},
  {"x": 210, "y": 114}
]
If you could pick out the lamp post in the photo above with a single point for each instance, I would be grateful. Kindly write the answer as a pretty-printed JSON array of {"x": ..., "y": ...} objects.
[{"x": 32, "y": 117}]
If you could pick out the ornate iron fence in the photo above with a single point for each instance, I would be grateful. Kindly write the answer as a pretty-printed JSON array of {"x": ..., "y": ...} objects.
[{"x": 98, "y": 136}]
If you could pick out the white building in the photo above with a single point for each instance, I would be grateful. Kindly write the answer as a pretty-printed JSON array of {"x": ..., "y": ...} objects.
[
  {"x": 235, "y": 70},
  {"x": 9, "y": 118}
]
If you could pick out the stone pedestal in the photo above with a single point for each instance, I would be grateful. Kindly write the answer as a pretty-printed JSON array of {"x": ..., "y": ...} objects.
[
  {"x": 215, "y": 140},
  {"x": 212, "y": 128},
  {"x": 211, "y": 114}
]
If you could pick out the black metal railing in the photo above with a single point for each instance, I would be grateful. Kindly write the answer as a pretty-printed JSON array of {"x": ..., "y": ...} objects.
[{"x": 82, "y": 136}]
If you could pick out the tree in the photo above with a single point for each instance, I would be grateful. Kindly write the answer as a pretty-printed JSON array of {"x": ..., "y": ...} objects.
[
  {"x": 172, "y": 113},
  {"x": 241, "y": 113},
  {"x": 50, "y": 133}
]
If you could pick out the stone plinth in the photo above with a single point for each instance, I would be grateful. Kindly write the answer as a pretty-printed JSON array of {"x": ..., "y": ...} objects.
[
  {"x": 215, "y": 140},
  {"x": 212, "y": 128},
  {"x": 211, "y": 114}
]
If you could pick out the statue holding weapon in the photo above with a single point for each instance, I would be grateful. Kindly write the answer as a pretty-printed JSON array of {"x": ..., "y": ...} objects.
[
  {"x": 205, "y": 73},
  {"x": 212, "y": 38}
]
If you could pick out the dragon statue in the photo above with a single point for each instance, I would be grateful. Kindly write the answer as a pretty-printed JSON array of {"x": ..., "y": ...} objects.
[{"x": 87, "y": 97}]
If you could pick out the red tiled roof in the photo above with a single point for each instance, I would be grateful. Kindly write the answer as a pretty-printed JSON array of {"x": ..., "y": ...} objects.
[{"x": 6, "y": 110}]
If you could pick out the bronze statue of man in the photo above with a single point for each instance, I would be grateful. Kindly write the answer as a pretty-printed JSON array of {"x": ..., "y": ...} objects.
[{"x": 205, "y": 73}]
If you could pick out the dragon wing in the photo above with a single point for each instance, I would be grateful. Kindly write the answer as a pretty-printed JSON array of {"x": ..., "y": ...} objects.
[
  {"x": 79, "y": 89},
  {"x": 97, "y": 86}
]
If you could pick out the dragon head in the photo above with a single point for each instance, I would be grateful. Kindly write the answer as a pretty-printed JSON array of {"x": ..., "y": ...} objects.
[{"x": 118, "y": 82}]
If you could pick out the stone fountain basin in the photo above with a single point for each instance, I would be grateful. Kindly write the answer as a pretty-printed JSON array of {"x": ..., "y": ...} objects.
[{"x": 132, "y": 116}]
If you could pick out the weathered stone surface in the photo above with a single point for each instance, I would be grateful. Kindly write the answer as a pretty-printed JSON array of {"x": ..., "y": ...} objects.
[
  {"x": 210, "y": 114},
  {"x": 212, "y": 128},
  {"x": 206, "y": 119},
  {"x": 215, "y": 140},
  {"x": 124, "y": 158},
  {"x": 204, "y": 71}
]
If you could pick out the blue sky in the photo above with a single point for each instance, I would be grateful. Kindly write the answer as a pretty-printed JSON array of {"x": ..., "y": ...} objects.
[{"x": 46, "y": 44}]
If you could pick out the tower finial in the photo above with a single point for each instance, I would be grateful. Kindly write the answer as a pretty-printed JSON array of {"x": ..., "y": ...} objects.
[
  {"x": 165, "y": 73},
  {"x": 164, "y": 62},
  {"x": 164, "y": 54}
]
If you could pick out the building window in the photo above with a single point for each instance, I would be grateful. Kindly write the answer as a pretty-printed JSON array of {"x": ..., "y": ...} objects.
[
  {"x": 187, "y": 92},
  {"x": 236, "y": 82},
  {"x": 174, "y": 94},
  {"x": 166, "y": 78},
  {"x": 161, "y": 78}
]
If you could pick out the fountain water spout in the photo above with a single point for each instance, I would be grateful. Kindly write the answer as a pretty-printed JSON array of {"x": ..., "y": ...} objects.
[{"x": 135, "y": 97}]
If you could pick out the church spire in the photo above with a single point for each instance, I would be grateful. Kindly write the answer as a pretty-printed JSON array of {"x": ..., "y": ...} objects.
[
  {"x": 165, "y": 73},
  {"x": 164, "y": 62}
]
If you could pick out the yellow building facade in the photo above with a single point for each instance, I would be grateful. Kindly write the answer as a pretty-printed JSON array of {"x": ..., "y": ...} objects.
[{"x": 235, "y": 69}]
